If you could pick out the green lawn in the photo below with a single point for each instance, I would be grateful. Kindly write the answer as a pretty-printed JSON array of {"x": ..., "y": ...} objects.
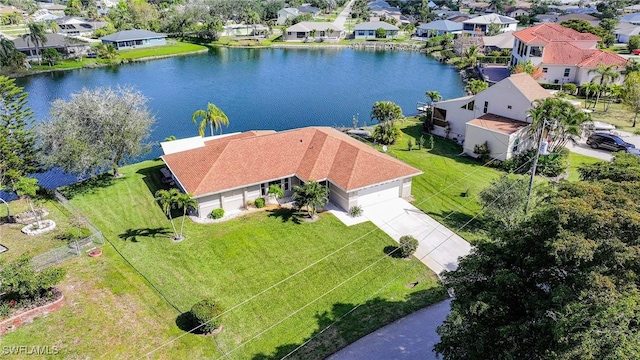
[
  {"x": 618, "y": 114},
  {"x": 231, "y": 262},
  {"x": 575, "y": 160}
]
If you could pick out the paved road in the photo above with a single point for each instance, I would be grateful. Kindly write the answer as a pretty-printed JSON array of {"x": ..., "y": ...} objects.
[
  {"x": 584, "y": 149},
  {"x": 410, "y": 338},
  {"x": 342, "y": 17}
]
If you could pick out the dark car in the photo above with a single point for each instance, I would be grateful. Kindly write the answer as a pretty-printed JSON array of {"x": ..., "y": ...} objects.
[
  {"x": 633, "y": 151},
  {"x": 608, "y": 142}
]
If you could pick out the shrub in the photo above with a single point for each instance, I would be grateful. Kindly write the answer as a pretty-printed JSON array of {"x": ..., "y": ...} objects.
[
  {"x": 386, "y": 133},
  {"x": 569, "y": 88},
  {"x": 483, "y": 151},
  {"x": 217, "y": 213},
  {"x": 5, "y": 310},
  {"x": 408, "y": 245},
  {"x": 259, "y": 203},
  {"x": 21, "y": 281},
  {"x": 355, "y": 211},
  {"x": 206, "y": 314},
  {"x": 381, "y": 33},
  {"x": 410, "y": 144},
  {"x": 276, "y": 191}
]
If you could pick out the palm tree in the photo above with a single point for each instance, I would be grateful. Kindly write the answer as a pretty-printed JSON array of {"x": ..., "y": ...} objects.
[
  {"x": 475, "y": 86},
  {"x": 433, "y": 95},
  {"x": 384, "y": 111},
  {"x": 37, "y": 36},
  {"x": 589, "y": 88},
  {"x": 312, "y": 195},
  {"x": 613, "y": 91},
  {"x": 212, "y": 116},
  {"x": 565, "y": 121},
  {"x": 184, "y": 201},
  {"x": 471, "y": 56},
  {"x": 166, "y": 199},
  {"x": 607, "y": 75}
]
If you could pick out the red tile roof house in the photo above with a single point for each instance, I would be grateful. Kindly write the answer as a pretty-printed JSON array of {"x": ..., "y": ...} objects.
[
  {"x": 565, "y": 55},
  {"x": 229, "y": 171},
  {"x": 497, "y": 115}
]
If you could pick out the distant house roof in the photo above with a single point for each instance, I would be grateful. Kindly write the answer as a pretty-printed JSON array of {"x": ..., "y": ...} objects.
[
  {"x": 499, "y": 124},
  {"x": 135, "y": 34},
  {"x": 51, "y": 6},
  {"x": 631, "y": 18},
  {"x": 432, "y": 5},
  {"x": 527, "y": 86},
  {"x": 53, "y": 41},
  {"x": 441, "y": 25},
  {"x": 373, "y": 25},
  {"x": 547, "y": 18},
  {"x": 565, "y": 53},
  {"x": 627, "y": 29},
  {"x": 460, "y": 18},
  {"x": 491, "y": 19},
  {"x": 632, "y": 8},
  {"x": 292, "y": 11},
  {"x": 311, "y": 153},
  {"x": 308, "y": 10},
  {"x": 478, "y": 5},
  {"x": 306, "y": 26},
  {"x": 503, "y": 40},
  {"x": 547, "y": 32}
]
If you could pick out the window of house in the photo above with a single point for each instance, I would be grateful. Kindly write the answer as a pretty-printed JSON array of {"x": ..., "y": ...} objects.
[
  {"x": 263, "y": 189},
  {"x": 516, "y": 143},
  {"x": 361, "y": 32},
  {"x": 486, "y": 107},
  {"x": 545, "y": 70},
  {"x": 440, "y": 117},
  {"x": 301, "y": 35},
  {"x": 289, "y": 33},
  {"x": 371, "y": 32},
  {"x": 566, "y": 72},
  {"x": 468, "y": 106},
  {"x": 286, "y": 186}
]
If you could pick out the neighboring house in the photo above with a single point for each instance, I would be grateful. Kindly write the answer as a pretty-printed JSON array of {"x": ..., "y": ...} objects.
[
  {"x": 55, "y": 9},
  {"x": 460, "y": 18},
  {"x": 286, "y": 14},
  {"x": 497, "y": 115},
  {"x": 240, "y": 30},
  {"x": 594, "y": 21},
  {"x": 565, "y": 55},
  {"x": 544, "y": 18},
  {"x": 306, "y": 9},
  {"x": 44, "y": 15},
  {"x": 438, "y": 28},
  {"x": 313, "y": 31},
  {"x": 367, "y": 30},
  {"x": 481, "y": 24},
  {"x": 72, "y": 26},
  {"x": 229, "y": 171},
  {"x": 67, "y": 47},
  {"x": 624, "y": 31},
  {"x": 515, "y": 12},
  {"x": 478, "y": 6},
  {"x": 498, "y": 42},
  {"x": 4, "y": 10},
  {"x": 631, "y": 19},
  {"x": 631, "y": 9},
  {"x": 132, "y": 39}
]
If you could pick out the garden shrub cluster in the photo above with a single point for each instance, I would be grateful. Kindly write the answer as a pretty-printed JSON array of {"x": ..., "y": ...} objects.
[
  {"x": 217, "y": 213},
  {"x": 551, "y": 165},
  {"x": 355, "y": 211},
  {"x": 206, "y": 314},
  {"x": 259, "y": 203},
  {"x": 408, "y": 245}
]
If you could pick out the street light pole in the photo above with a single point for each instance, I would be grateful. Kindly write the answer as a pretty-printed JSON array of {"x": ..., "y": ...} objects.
[{"x": 534, "y": 167}]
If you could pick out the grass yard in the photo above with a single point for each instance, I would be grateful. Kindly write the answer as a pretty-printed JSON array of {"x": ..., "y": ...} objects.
[
  {"x": 231, "y": 262},
  {"x": 19, "y": 243},
  {"x": 617, "y": 115},
  {"x": 575, "y": 160},
  {"x": 172, "y": 48}
]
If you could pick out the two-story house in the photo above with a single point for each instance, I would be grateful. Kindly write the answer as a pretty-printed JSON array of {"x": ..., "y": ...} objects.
[
  {"x": 497, "y": 115},
  {"x": 565, "y": 55},
  {"x": 480, "y": 24}
]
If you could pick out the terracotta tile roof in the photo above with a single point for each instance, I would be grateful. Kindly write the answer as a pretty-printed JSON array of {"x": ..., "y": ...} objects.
[
  {"x": 312, "y": 153},
  {"x": 498, "y": 123},
  {"x": 562, "y": 53},
  {"x": 550, "y": 32},
  {"x": 527, "y": 86}
]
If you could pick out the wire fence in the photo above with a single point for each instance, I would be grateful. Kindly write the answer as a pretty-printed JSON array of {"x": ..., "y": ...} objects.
[{"x": 73, "y": 248}]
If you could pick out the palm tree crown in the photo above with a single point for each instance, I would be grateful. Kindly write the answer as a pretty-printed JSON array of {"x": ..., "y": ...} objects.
[
  {"x": 36, "y": 35},
  {"x": 212, "y": 116}
]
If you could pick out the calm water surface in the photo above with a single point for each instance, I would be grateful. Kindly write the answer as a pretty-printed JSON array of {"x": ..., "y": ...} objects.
[{"x": 261, "y": 88}]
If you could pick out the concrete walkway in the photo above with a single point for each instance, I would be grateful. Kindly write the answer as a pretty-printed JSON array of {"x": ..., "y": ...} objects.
[
  {"x": 410, "y": 338},
  {"x": 439, "y": 247},
  {"x": 342, "y": 17}
]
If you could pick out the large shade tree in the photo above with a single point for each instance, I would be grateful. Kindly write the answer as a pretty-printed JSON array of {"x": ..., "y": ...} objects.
[
  {"x": 97, "y": 130},
  {"x": 212, "y": 116},
  {"x": 18, "y": 155},
  {"x": 563, "y": 284}
]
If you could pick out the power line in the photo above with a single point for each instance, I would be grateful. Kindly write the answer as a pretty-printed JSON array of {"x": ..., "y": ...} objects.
[{"x": 320, "y": 260}]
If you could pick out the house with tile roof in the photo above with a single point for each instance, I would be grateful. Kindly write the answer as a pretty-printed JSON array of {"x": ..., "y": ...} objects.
[
  {"x": 481, "y": 24},
  {"x": 229, "y": 171},
  {"x": 565, "y": 55},
  {"x": 497, "y": 115}
]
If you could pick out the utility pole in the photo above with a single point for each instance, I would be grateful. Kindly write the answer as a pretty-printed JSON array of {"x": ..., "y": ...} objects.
[{"x": 535, "y": 165}]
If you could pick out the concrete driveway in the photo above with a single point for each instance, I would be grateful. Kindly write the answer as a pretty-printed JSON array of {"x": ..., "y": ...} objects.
[
  {"x": 439, "y": 247},
  {"x": 410, "y": 338},
  {"x": 582, "y": 148}
]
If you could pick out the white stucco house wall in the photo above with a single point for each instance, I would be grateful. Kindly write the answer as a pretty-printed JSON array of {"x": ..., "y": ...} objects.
[
  {"x": 229, "y": 171},
  {"x": 565, "y": 55},
  {"x": 480, "y": 24},
  {"x": 498, "y": 115},
  {"x": 367, "y": 30},
  {"x": 311, "y": 31},
  {"x": 286, "y": 14}
]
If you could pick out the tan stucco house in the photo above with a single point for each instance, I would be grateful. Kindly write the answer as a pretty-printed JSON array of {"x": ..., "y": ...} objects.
[
  {"x": 229, "y": 171},
  {"x": 311, "y": 31},
  {"x": 497, "y": 115}
]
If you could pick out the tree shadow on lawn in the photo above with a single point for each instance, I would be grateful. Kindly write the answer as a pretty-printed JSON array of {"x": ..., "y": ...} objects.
[
  {"x": 365, "y": 319},
  {"x": 152, "y": 177},
  {"x": 455, "y": 220},
  {"x": 88, "y": 186},
  {"x": 286, "y": 214},
  {"x": 392, "y": 251},
  {"x": 133, "y": 234}
]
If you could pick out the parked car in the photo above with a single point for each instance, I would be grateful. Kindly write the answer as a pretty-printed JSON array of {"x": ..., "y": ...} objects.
[
  {"x": 633, "y": 151},
  {"x": 636, "y": 52},
  {"x": 608, "y": 142}
]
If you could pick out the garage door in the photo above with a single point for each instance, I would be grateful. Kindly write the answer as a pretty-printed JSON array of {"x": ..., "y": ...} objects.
[
  {"x": 233, "y": 200},
  {"x": 378, "y": 193}
]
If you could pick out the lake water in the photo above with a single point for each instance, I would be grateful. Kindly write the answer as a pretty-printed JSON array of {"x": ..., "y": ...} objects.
[{"x": 261, "y": 88}]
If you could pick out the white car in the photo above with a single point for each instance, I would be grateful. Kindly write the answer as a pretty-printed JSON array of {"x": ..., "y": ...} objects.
[{"x": 598, "y": 126}]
